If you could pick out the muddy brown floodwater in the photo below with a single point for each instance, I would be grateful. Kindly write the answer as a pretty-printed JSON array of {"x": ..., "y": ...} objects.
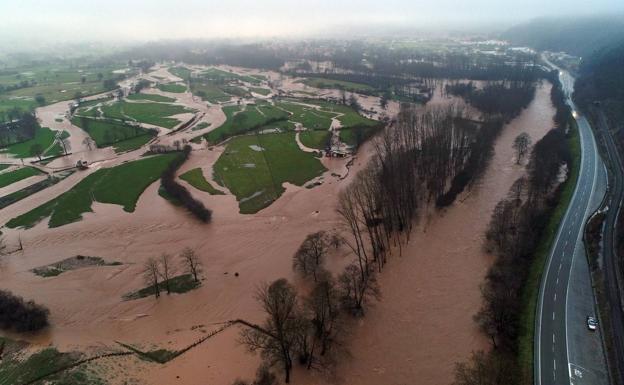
[{"x": 415, "y": 334}]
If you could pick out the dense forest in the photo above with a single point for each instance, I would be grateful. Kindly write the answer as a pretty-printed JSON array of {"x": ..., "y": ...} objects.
[{"x": 602, "y": 80}]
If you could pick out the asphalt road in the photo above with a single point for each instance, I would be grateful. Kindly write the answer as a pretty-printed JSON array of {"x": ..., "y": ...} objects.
[
  {"x": 566, "y": 352},
  {"x": 611, "y": 264}
]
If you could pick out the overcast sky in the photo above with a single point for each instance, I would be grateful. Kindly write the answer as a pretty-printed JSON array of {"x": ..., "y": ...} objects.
[{"x": 157, "y": 19}]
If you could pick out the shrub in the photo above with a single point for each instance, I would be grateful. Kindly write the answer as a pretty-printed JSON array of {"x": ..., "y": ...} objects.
[{"x": 21, "y": 315}]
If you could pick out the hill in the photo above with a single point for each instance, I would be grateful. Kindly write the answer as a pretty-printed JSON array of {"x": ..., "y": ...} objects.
[{"x": 576, "y": 36}]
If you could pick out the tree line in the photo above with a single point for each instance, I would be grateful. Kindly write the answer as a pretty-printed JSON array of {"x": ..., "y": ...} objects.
[
  {"x": 179, "y": 192},
  {"x": 513, "y": 235},
  {"x": 19, "y": 126},
  {"x": 504, "y": 98}
]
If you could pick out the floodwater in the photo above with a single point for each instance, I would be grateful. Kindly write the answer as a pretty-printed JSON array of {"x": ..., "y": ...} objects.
[
  {"x": 419, "y": 329},
  {"x": 424, "y": 324}
]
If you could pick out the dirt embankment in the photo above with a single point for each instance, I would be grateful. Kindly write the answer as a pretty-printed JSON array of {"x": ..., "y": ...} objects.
[{"x": 420, "y": 328}]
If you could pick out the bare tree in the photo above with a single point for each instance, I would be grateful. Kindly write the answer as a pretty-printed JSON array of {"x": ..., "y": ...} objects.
[
  {"x": 356, "y": 287},
  {"x": 323, "y": 304},
  {"x": 88, "y": 142},
  {"x": 192, "y": 262},
  {"x": 311, "y": 254},
  {"x": 276, "y": 339},
  {"x": 166, "y": 270},
  {"x": 335, "y": 240},
  {"x": 151, "y": 272},
  {"x": 521, "y": 144},
  {"x": 66, "y": 145}
]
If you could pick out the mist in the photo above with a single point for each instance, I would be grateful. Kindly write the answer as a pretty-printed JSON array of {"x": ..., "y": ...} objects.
[{"x": 32, "y": 22}]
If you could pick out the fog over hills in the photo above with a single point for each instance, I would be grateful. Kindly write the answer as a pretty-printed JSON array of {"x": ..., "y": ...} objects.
[{"x": 116, "y": 20}]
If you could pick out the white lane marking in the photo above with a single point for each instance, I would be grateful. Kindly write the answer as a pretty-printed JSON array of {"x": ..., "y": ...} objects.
[
  {"x": 553, "y": 316},
  {"x": 555, "y": 298}
]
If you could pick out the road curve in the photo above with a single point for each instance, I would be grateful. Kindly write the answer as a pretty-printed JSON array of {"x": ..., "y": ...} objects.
[{"x": 565, "y": 351}]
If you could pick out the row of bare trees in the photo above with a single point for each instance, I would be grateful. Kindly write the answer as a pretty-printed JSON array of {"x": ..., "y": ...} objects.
[
  {"x": 159, "y": 271},
  {"x": 308, "y": 328},
  {"x": 427, "y": 156},
  {"x": 504, "y": 98},
  {"x": 513, "y": 235},
  {"x": 304, "y": 329}
]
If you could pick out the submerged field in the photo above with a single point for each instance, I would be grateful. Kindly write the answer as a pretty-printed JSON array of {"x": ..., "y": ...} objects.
[
  {"x": 158, "y": 114},
  {"x": 45, "y": 84},
  {"x": 255, "y": 167},
  {"x": 106, "y": 133},
  {"x": 7, "y": 178},
  {"x": 121, "y": 185}
]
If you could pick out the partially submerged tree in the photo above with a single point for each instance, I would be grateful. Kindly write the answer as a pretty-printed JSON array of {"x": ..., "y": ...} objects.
[
  {"x": 264, "y": 376},
  {"x": 166, "y": 270},
  {"x": 356, "y": 287},
  {"x": 310, "y": 256},
  {"x": 323, "y": 306},
  {"x": 192, "y": 262},
  {"x": 151, "y": 272},
  {"x": 276, "y": 339},
  {"x": 521, "y": 144}
]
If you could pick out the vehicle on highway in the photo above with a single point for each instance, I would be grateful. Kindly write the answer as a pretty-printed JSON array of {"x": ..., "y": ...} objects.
[{"x": 592, "y": 324}]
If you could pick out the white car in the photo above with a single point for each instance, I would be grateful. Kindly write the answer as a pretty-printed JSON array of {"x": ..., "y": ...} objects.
[{"x": 592, "y": 324}]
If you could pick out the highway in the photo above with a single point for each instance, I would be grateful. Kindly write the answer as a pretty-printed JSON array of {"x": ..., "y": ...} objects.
[{"x": 565, "y": 351}]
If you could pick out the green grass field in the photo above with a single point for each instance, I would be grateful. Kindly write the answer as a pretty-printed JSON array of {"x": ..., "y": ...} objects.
[
  {"x": 7, "y": 178},
  {"x": 256, "y": 177},
  {"x": 151, "y": 97},
  {"x": 348, "y": 118},
  {"x": 172, "y": 87},
  {"x": 336, "y": 84},
  {"x": 314, "y": 139},
  {"x": 179, "y": 284},
  {"x": 106, "y": 133},
  {"x": 356, "y": 135},
  {"x": 43, "y": 136},
  {"x": 195, "y": 178},
  {"x": 54, "y": 82},
  {"x": 132, "y": 143},
  {"x": 309, "y": 117},
  {"x": 236, "y": 91},
  {"x": 157, "y": 114},
  {"x": 252, "y": 118},
  {"x": 209, "y": 92},
  {"x": 16, "y": 368},
  {"x": 260, "y": 91},
  {"x": 121, "y": 185},
  {"x": 181, "y": 72},
  {"x": 217, "y": 75}
]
